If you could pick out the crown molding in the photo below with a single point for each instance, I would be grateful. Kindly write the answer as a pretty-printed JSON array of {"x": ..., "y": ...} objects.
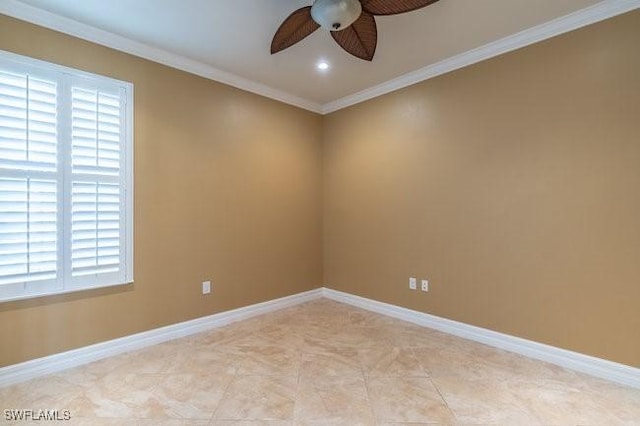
[
  {"x": 581, "y": 18},
  {"x": 590, "y": 15},
  {"x": 43, "y": 18}
]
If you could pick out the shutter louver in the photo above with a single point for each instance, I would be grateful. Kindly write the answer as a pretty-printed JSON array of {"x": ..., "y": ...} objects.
[
  {"x": 95, "y": 198},
  {"x": 96, "y": 132},
  {"x": 28, "y": 188},
  {"x": 95, "y": 228},
  {"x": 28, "y": 124},
  {"x": 28, "y": 230}
]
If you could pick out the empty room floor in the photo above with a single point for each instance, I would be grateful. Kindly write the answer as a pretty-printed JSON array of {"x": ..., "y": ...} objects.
[{"x": 325, "y": 363}]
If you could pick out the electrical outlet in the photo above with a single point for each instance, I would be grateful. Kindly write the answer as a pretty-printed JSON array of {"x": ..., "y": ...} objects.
[
  {"x": 412, "y": 283},
  {"x": 206, "y": 287},
  {"x": 425, "y": 285}
]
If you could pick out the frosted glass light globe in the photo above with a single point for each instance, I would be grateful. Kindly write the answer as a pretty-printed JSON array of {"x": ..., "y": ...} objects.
[{"x": 336, "y": 15}]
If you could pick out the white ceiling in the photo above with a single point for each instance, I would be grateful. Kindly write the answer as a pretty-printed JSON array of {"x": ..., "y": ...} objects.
[{"x": 234, "y": 37}]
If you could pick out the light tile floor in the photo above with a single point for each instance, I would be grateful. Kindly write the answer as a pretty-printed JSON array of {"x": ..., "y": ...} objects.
[{"x": 324, "y": 363}]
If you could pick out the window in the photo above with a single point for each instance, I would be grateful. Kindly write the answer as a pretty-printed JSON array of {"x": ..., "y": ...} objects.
[{"x": 66, "y": 179}]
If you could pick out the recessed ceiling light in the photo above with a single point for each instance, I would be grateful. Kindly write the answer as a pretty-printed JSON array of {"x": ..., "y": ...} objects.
[{"x": 322, "y": 65}]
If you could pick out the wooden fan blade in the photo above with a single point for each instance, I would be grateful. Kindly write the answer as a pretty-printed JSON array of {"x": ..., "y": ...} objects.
[
  {"x": 360, "y": 38},
  {"x": 297, "y": 26},
  {"x": 393, "y": 7}
]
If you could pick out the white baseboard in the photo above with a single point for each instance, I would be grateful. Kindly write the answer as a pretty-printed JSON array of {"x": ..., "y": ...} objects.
[
  {"x": 53, "y": 363},
  {"x": 607, "y": 370},
  {"x": 598, "y": 367}
]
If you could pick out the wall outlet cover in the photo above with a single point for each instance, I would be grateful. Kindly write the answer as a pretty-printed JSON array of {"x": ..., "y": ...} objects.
[{"x": 412, "y": 283}]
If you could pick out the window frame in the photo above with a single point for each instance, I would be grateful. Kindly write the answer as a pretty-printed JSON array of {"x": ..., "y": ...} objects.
[{"x": 66, "y": 78}]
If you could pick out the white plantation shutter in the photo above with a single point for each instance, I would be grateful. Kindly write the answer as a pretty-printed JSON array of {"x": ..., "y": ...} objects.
[
  {"x": 29, "y": 204},
  {"x": 28, "y": 125},
  {"x": 96, "y": 132},
  {"x": 96, "y": 198},
  {"x": 28, "y": 230},
  {"x": 95, "y": 228},
  {"x": 65, "y": 179}
]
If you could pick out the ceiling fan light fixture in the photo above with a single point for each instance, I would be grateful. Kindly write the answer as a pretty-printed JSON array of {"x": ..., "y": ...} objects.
[
  {"x": 336, "y": 15},
  {"x": 352, "y": 23}
]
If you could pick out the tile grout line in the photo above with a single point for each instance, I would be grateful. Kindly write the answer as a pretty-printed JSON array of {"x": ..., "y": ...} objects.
[
  {"x": 365, "y": 379},
  {"x": 446, "y": 403},
  {"x": 298, "y": 379},
  {"x": 224, "y": 393},
  {"x": 369, "y": 401}
]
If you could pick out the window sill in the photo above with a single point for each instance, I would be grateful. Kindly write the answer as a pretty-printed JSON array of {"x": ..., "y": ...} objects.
[{"x": 62, "y": 292}]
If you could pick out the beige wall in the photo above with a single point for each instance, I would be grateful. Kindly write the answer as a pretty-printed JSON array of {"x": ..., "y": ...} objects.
[
  {"x": 227, "y": 187},
  {"x": 513, "y": 185}
]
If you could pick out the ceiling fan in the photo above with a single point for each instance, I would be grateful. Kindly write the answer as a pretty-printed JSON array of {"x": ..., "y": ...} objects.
[{"x": 351, "y": 22}]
